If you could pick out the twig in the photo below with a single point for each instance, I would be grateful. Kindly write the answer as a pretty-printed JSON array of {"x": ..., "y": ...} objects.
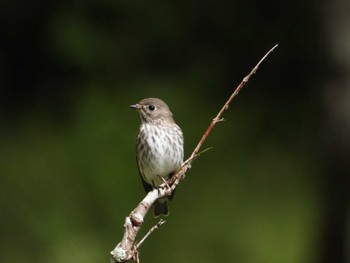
[
  {"x": 155, "y": 227},
  {"x": 227, "y": 104},
  {"x": 126, "y": 249}
]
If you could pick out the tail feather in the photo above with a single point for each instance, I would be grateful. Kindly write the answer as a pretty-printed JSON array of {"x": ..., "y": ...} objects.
[{"x": 161, "y": 208}]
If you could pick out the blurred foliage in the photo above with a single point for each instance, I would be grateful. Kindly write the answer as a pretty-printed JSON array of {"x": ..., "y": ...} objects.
[{"x": 68, "y": 173}]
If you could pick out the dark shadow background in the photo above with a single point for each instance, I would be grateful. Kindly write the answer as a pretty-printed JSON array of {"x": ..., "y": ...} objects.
[{"x": 275, "y": 188}]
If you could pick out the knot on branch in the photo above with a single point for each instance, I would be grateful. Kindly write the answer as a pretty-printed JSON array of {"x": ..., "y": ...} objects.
[{"x": 136, "y": 218}]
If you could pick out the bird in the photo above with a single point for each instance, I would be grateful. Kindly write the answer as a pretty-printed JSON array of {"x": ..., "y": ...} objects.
[{"x": 159, "y": 147}]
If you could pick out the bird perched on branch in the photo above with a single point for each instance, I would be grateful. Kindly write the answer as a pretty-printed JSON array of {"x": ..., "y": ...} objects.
[{"x": 159, "y": 147}]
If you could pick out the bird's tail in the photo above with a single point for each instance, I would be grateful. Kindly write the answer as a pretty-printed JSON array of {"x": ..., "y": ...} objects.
[{"x": 161, "y": 207}]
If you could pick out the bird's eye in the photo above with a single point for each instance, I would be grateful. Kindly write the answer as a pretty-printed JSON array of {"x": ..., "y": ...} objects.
[{"x": 151, "y": 107}]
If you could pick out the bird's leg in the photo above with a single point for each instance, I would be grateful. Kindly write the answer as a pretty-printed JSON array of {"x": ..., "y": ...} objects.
[
  {"x": 168, "y": 191},
  {"x": 164, "y": 181}
]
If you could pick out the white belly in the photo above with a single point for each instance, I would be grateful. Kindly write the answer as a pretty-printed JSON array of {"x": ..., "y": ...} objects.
[{"x": 160, "y": 156}]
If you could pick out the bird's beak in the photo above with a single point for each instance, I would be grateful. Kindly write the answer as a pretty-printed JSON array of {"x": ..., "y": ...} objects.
[{"x": 135, "y": 106}]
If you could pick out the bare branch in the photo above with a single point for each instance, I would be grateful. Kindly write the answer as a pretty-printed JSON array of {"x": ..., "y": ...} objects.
[{"x": 127, "y": 249}]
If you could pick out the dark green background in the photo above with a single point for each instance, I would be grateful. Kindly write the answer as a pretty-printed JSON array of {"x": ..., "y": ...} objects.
[{"x": 273, "y": 189}]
